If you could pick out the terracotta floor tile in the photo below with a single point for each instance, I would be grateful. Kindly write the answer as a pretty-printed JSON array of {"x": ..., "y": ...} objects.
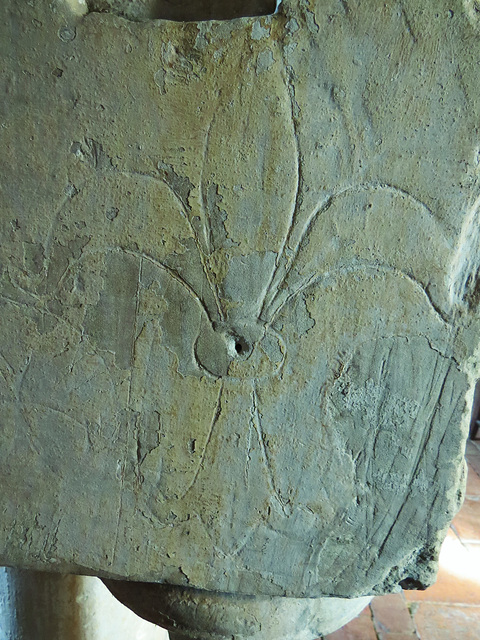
[
  {"x": 360, "y": 628},
  {"x": 473, "y": 483},
  {"x": 467, "y": 521},
  {"x": 447, "y": 622},
  {"x": 365, "y": 613},
  {"x": 391, "y": 615},
  {"x": 458, "y": 580}
]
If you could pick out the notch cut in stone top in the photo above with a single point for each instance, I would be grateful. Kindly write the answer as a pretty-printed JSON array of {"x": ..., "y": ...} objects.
[{"x": 184, "y": 10}]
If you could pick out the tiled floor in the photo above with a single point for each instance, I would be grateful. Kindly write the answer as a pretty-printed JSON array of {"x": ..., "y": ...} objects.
[{"x": 450, "y": 610}]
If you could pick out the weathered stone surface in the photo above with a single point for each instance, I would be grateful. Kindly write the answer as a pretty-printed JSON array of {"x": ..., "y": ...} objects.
[{"x": 239, "y": 279}]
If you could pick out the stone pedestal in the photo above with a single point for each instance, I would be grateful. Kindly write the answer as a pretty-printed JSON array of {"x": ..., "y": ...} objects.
[{"x": 192, "y": 614}]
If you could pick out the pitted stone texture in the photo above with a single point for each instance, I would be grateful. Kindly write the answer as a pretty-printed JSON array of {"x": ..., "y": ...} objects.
[{"x": 239, "y": 293}]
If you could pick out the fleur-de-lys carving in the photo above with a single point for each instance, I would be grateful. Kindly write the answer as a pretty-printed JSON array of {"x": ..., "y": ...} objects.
[{"x": 259, "y": 338}]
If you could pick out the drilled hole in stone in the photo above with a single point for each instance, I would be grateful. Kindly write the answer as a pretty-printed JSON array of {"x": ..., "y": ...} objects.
[
  {"x": 184, "y": 10},
  {"x": 241, "y": 347}
]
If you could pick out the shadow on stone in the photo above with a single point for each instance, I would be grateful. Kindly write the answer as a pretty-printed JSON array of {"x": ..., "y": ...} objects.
[{"x": 183, "y": 10}]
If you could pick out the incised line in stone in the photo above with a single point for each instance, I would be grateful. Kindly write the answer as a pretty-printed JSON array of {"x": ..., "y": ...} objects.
[{"x": 215, "y": 418}]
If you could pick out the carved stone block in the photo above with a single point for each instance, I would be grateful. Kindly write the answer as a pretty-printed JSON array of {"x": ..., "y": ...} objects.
[{"x": 239, "y": 287}]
